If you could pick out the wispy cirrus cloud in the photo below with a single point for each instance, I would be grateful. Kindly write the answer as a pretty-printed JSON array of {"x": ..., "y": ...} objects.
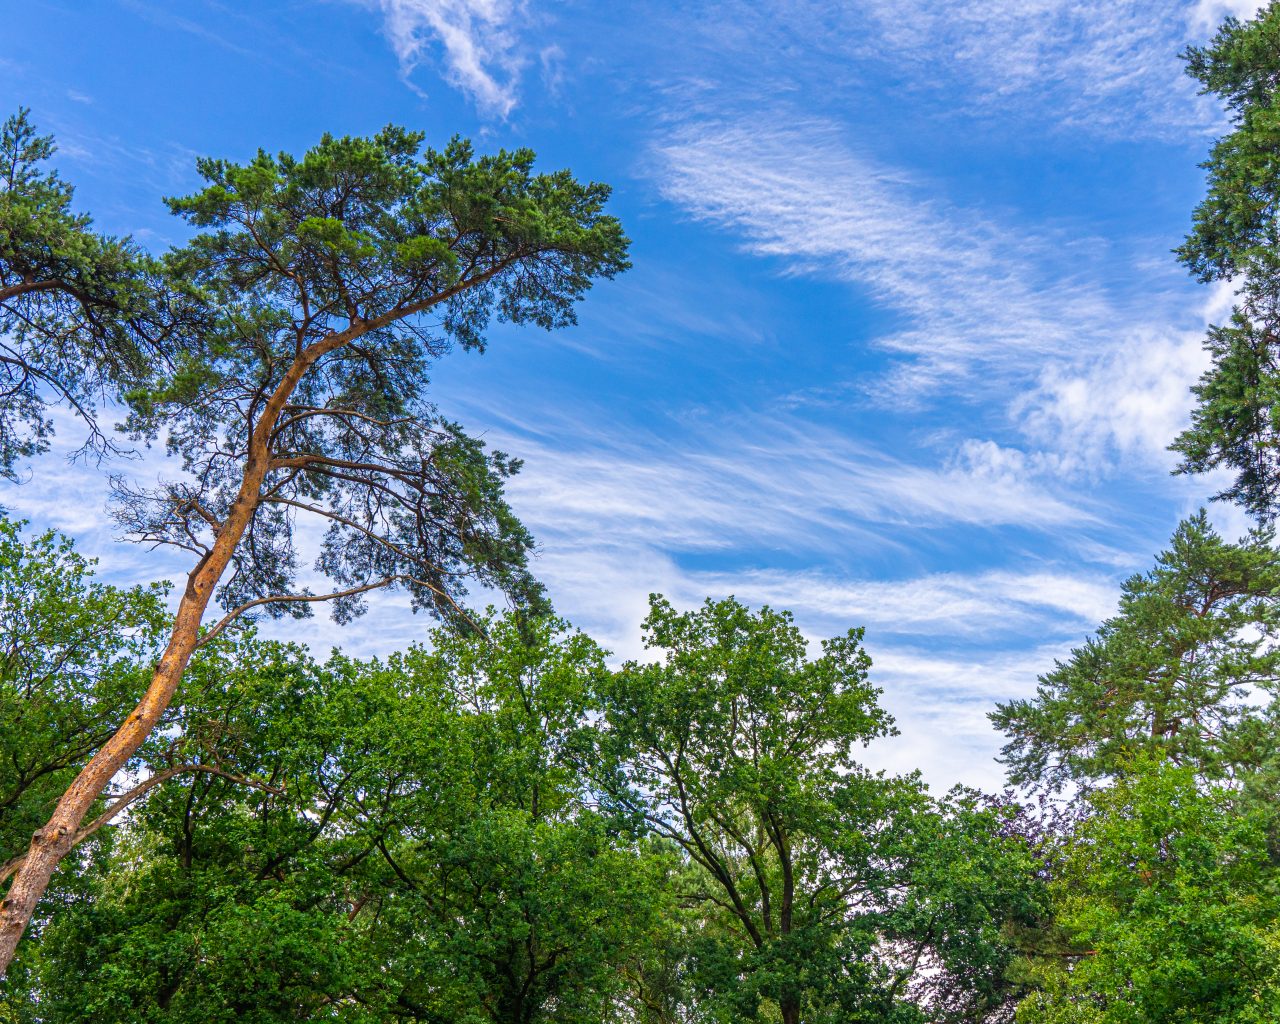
[
  {"x": 940, "y": 700},
  {"x": 974, "y": 297},
  {"x": 1104, "y": 67},
  {"x": 790, "y": 485},
  {"x": 1107, "y": 66},
  {"x": 958, "y": 605},
  {"x": 1090, "y": 363},
  {"x": 477, "y": 42},
  {"x": 1208, "y": 14},
  {"x": 619, "y": 513}
]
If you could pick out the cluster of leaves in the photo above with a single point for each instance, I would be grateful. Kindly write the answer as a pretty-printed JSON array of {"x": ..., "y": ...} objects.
[
  {"x": 500, "y": 828},
  {"x": 324, "y": 286},
  {"x": 82, "y": 315},
  {"x": 1177, "y": 672},
  {"x": 72, "y": 653},
  {"x": 1169, "y": 907},
  {"x": 830, "y": 893},
  {"x": 1159, "y": 737}
]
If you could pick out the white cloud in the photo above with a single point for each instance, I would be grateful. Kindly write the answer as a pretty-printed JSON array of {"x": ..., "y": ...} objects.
[
  {"x": 1097, "y": 58},
  {"x": 782, "y": 483},
  {"x": 1129, "y": 399},
  {"x": 619, "y": 515},
  {"x": 1108, "y": 66},
  {"x": 975, "y": 295},
  {"x": 478, "y": 40},
  {"x": 1208, "y": 14},
  {"x": 941, "y": 700},
  {"x": 1100, "y": 66},
  {"x": 970, "y": 605}
]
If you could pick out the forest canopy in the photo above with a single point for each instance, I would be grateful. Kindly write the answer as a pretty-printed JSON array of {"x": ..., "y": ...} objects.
[{"x": 498, "y": 820}]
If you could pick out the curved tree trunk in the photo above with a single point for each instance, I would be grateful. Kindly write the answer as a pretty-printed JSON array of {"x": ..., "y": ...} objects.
[
  {"x": 56, "y": 838},
  {"x": 52, "y": 842}
]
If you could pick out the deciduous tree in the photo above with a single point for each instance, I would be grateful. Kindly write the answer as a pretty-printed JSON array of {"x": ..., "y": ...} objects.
[
  {"x": 72, "y": 652},
  {"x": 1169, "y": 903},
  {"x": 419, "y": 849},
  {"x": 827, "y": 892}
]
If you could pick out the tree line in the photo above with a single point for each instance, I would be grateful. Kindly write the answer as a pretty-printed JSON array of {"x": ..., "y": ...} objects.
[{"x": 500, "y": 825}]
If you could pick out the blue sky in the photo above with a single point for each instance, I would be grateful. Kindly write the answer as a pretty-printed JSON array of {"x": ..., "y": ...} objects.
[{"x": 903, "y": 344}]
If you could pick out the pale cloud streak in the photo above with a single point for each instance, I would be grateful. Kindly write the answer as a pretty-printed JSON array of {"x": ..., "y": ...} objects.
[
  {"x": 969, "y": 605},
  {"x": 974, "y": 295},
  {"x": 620, "y": 514},
  {"x": 1208, "y": 14},
  {"x": 478, "y": 40},
  {"x": 1109, "y": 65},
  {"x": 1128, "y": 400},
  {"x": 1103, "y": 67},
  {"x": 785, "y": 484}
]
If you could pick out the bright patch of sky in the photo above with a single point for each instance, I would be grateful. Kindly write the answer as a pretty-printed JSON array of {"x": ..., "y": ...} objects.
[{"x": 903, "y": 345}]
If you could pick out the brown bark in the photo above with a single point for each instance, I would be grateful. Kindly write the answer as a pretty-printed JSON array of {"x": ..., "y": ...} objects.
[
  {"x": 13, "y": 291},
  {"x": 55, "y": 840},
  {"x": 58, "y": 836}
]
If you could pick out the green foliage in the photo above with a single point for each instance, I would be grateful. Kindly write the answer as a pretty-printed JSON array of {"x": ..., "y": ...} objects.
[
  {"x": 1172, "y": 673},
  {"x": 72, "y": 653},
  {"x": 446, "y": 836},
  {"x": 1170, "y": 905},
  {"x": 828, "y": 892},
  {"x": 1161, "y": 732},
  {"x": 423, "y": 853},
  {"x": 75, "y": 322},
  {"x": 536, "y": 896},
  {"x": 1234, "y": 237},
  {"x": 320, "y": 288}
]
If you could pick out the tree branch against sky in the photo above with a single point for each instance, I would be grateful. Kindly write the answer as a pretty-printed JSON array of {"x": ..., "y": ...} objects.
[
  {"x": 322, "y": 288},
  {"x": 75, "y": 322},
  {"x": 1234, "y": 238}
]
